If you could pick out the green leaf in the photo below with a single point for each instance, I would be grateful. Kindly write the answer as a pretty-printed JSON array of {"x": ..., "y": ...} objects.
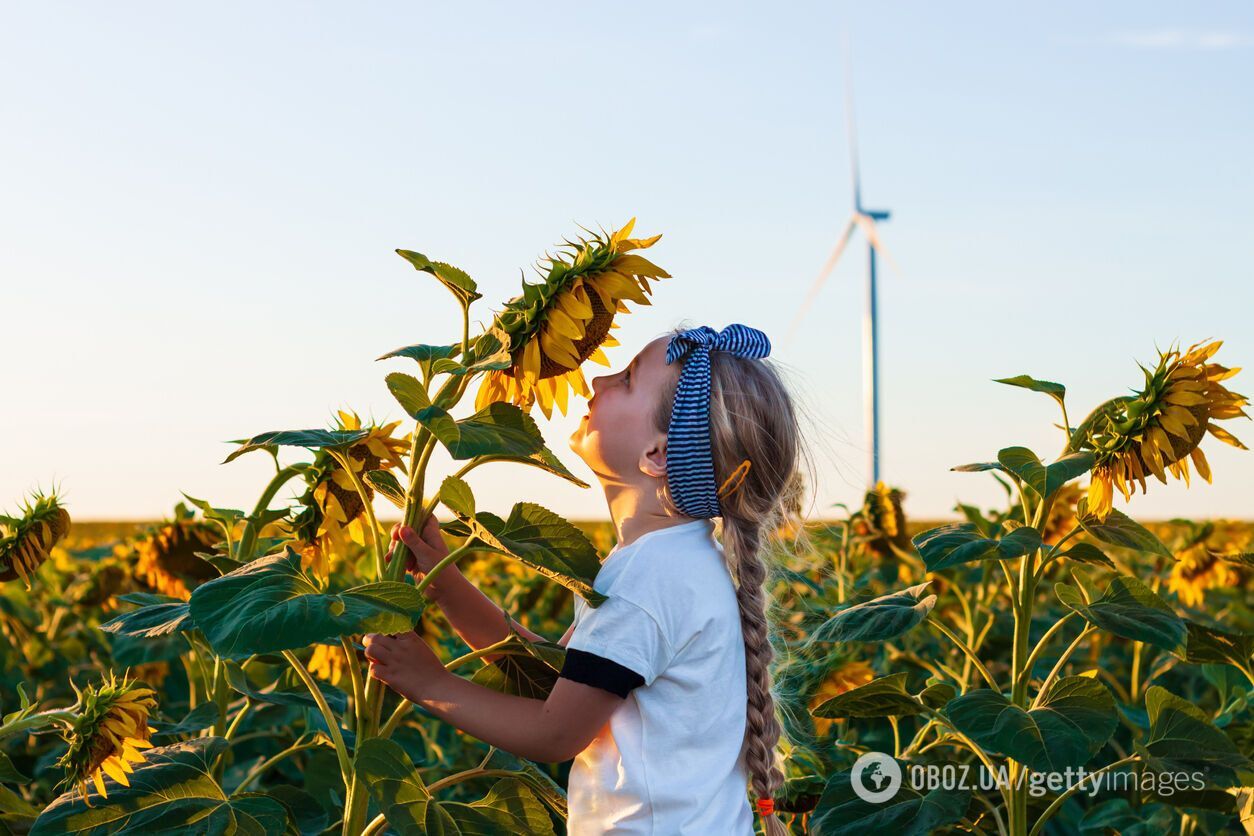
[
  {"x": 545, "y": 460},
  {"x": 1182, "y": 739},
  {"x": 509, "y": 807},
  {"x": 423, "y": 354},
  {"x": 883, "y": 697},
  {"x": 1044, "y": 480},
  {"x": 1131, "y": 610},
  {"x": 1089, "y": 554},
  {"x": 9, "y": 773},
  {"x": 459, "y": 284},
  {"x": 1208, "y": 645},
  {"x": 172, "y": 791},
  {"x": 457, "y": 496},
  {"x": 386, "y": 483},
  {"x": 877, "y": 620},
  {"x": 270, "y": 605},
  {"x": 163, "y": 616},
  {"x": 305, "y": 813},
  {"x": 201, "y": 717},
  {"x": 542, "y": 540},
  {"x": 280, "y": 693},
  {"x": 958, "y": 543},
  {"x": 1055, "y": 390},
  {"x": 539, "y": 781},
  {"x": 499, "y": 429},
  {"x": 309, "y": 439},
  {"x": 1118, "y": 529},
  {"x": 840, "y": 812},
  {"x": 409, "y": 393},
  {"x": 526, "y": 668},
  {"x": 1075, "y": 719}
]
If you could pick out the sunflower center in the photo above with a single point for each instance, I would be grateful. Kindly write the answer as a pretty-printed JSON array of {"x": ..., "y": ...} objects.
[{"x": 594, "y": 334}]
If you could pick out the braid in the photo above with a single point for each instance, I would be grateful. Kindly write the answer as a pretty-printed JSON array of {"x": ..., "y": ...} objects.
[{"x": 762, "y": 728}]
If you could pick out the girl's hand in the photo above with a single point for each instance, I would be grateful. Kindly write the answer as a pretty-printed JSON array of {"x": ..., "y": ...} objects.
[
  {"x": 404, "y": 663},
  {"x": 424, "y": 553}
]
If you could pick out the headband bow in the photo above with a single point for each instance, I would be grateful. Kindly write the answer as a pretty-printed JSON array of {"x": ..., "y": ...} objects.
[{"x": 689, "y": 457}]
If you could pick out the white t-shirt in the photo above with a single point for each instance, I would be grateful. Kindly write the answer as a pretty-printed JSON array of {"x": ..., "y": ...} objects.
[{"x": 670, "y": 760}]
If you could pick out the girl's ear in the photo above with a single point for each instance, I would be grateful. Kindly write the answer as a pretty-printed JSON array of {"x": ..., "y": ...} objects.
[{"x": 653, "y": 459}]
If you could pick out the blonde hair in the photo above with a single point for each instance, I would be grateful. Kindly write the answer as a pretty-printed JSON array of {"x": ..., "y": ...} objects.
[{"x": 752, "y": 417}]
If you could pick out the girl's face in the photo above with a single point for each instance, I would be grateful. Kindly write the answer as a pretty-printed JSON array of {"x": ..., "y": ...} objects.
[{"x": 617, "y": 438}]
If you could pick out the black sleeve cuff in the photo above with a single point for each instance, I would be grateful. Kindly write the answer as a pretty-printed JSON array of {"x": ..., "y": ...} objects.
[{"x": 599, "y": 672}]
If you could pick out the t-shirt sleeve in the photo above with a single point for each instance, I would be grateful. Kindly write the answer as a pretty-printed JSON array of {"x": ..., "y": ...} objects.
[{"x": 618, "y": 645}]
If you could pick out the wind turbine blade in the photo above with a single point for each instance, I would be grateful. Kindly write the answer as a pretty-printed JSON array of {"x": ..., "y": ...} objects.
[
  {"x": 872, "y": 233},
  {"x": 851, "y": 127},
  {"x": 841, "y": 243}
]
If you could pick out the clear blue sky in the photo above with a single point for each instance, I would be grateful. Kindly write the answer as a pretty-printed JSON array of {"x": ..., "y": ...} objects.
[{"x": 201, "y": 203}]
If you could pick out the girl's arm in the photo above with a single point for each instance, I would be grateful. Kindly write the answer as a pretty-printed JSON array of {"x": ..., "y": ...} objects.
[
  {"x": 474, "y": 616},
  {"x": 549, "y": 731}
]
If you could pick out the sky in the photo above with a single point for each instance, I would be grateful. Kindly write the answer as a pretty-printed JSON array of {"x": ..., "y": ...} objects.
[{"x": 200, "y": 203}]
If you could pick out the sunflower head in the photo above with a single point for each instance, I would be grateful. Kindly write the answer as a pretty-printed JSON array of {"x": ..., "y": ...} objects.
[
  {"x": 1157, "y": 431},
  {"x": 334, "y": 512},
  {"x": 566, "y": 318},
  {"x": 328, "y": 662},
  {"x": 27, "y": 540},
  {"x": 106, "y": 737},
  {"x": 167, "y": 555},
  {"x": 844, "y": 677}
]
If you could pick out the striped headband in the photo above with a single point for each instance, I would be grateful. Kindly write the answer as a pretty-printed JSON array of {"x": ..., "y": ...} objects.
[{"x": 689, "y": 457}]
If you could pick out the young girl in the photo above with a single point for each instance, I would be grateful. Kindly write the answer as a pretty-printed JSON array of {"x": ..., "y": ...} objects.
[{"x": 664, "y": 700}]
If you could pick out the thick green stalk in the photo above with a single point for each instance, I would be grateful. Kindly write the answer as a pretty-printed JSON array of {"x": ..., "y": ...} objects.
[{"x": 40, "y": 720}]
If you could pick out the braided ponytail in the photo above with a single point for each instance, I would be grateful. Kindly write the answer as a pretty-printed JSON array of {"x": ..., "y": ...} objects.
[{"x": 757, "y": 448}]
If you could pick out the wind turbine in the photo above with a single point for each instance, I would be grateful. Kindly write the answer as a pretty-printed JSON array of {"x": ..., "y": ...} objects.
[{"x": 866, "y": 220}]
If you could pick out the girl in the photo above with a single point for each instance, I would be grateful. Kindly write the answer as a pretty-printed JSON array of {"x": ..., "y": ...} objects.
[{"x": 664, "y": 700}]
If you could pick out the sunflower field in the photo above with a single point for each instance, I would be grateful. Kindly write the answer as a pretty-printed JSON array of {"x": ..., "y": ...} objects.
[{"x": 205, "y": 674}]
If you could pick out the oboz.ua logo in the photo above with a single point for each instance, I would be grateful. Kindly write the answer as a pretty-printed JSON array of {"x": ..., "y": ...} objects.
[{"x": 876, "y": 777}]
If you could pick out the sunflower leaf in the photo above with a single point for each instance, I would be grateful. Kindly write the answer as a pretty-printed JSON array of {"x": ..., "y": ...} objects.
[
  {"x": 158, "y": 618},
  {"x": 1183, "y": 739},
  {"x": 1074, "y": 720},
  {"x": 1208, "y": 646},
  {"x": 1042, "y": 479},
  {"x": 271, "y": 605},
  {"x": 1118, "y": 529},
  {"x": 542, "y": 540},
  {"x": 957, "y": 543},
  {"x": 1131, "y": 610},
  {"x": 309, "y": 439},
  {"x": 877, "y": 620},
  {"x": 173, "y": 790},
  {"x": 883, "y": 697},
  {"x": 841, "y": 811},
  {"x": 1055, "y": 390},
  {"x": 457, "y": 496},
  {"x": 386, "y": 483},
  {"x": 457, "y": 281}
]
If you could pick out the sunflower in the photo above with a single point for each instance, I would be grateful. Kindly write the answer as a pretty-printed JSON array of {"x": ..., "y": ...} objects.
[
  {"x": 335, "y": 512},
  {"x": 556, "y": 325},
  {"x": 166, "y": 555},
  {"x": 328, "y": 662},
  {"x": 107, "y": 735},
  {"x": 845, "y": 677},
  {"x": 1198, "y": 569},
  {"x": 27, "y": 541},
  {"x": 1156, "y": 431}
]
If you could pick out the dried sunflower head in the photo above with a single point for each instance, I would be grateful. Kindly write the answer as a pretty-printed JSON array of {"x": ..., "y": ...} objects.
[
  {"x": 166, "y": 555},
  {"x": 1159, "y": 429},
  {"x": 108, "y": 734},
  {"x": 27, "y": 540},
  {"x": 565, "y": 319}
]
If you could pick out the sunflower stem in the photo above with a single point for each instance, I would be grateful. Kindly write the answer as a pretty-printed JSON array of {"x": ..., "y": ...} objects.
[
  {"x": 368, "y": 506},
  {"x": 248, "y": 538},
  {"x": 35, "y": 722},
  {"x": 328, "y": 716}
]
